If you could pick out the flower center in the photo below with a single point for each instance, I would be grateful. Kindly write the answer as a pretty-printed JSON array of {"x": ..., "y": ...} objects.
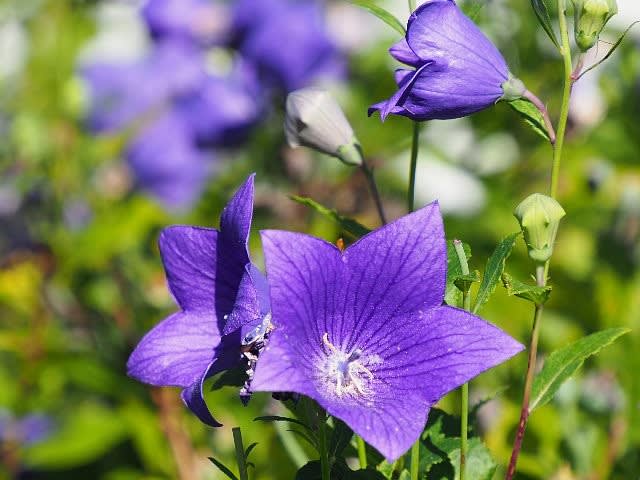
[{"x": 346, "y": 374}]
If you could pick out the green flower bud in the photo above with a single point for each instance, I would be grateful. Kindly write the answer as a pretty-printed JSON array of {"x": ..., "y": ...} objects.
[
  {"x": 590, "y": 18},
  {"x": 539, "y": 217},
  {"x": 315, "y": 120}
]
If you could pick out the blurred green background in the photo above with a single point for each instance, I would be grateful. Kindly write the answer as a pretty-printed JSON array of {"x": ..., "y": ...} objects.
[{"x": 81, "y": 279}]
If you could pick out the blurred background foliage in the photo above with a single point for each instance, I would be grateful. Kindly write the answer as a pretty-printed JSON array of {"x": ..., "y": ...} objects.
[{"x": 81, "y": 279}]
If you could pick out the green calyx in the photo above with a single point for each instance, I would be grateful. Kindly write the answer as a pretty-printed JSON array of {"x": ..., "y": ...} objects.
[
  {"x": 350, "y": 153},
  {"x": 539, "y": 217},
  {"x": 512, "y": 89},
  {"x": 590, "y": 17}
]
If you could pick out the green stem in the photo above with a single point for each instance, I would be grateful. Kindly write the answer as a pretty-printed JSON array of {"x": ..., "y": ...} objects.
[
  {"x": 324, "y": 451},
  {"x": 415, "y": 460},
  {"x": 464, "y": 407},
  {"x": 565, "y": 51},
  {"x": 362, "y": 452},
  {"x": 242, "y": 464},
  {"x": 412, "y": 5},
  {"x": 368, "y": 172},
  {"x": 412, "y": 167}
]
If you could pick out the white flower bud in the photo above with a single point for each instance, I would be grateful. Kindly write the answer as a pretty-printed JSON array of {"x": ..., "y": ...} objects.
[{"x": 315, "y": 120}]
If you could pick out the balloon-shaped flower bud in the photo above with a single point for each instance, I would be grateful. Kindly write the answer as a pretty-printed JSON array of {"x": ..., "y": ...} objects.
[
  {"x": 590, "y": 18},
  {"x": 315, "y": 120},
  {"x": 539, "y": 217},
  {"x": 456, "y": 70}
]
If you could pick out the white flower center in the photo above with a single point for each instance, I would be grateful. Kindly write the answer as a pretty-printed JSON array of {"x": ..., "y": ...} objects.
[{"x": 346, "y": 374}]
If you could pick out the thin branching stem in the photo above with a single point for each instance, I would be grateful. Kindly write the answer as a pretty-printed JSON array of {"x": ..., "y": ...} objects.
[
  {"x": 415, "y": 141},
  {"x": 368, "y": 172}
]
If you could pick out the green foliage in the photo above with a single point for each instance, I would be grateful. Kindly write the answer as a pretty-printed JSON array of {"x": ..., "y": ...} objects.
[
  {"x": 563, "y": 363},
  {"x": 493, "y": 270},
  {"x": 531, "y": 115},
  {"x": 453, "y": 295},
  {"x": 534, "y": 293},
  {"x": 541, "y": 9},
  {"x": 350, "y": 226}
]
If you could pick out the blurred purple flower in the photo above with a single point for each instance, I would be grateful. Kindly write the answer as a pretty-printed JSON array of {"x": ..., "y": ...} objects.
[
  {"x": 24, "y": 431},
  {"x": 287, "y": 41},
  {"x": 364, "y": 332},
  {"x": 457, "y": 70},
  {"x": 174, "y": 108},
  {"x": 199, "y": 21},
  {"x": 223, "y": 300}
]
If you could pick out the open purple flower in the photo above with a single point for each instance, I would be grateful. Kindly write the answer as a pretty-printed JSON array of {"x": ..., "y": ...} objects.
[
  {"x": 287, "y": 41},
  {"x": 224, "y": 305},
  {"x": 364, "y": 331},
  {"x": 457, "y": 71}
]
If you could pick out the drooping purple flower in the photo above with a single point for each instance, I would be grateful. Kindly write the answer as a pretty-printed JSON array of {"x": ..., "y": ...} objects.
[
  {"x": 457, "y": 71},
  {"x": 287, "y": 41},
  {"x": 364, "y": 331},
  {"x": 199, "y": 21},
  {"x": 223, "y": 300}
]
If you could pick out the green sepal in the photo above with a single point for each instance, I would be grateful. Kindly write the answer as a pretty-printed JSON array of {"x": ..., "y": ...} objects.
[{"x": 533, "y": 293}]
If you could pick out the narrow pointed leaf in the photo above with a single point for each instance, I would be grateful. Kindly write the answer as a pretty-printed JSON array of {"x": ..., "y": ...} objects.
[
  {"x": 542, "y": 12},
  {"x": 247, "y": 452},
  {"x": 278, "y": 418},
  {"x": 350, "y": 226},
  {"x": 563, "y": 363},
  {"x": 533, "y": 293},
  {"x": 464, "y": 282},
  {"x": 531, "y": 115},
  {"x": 494, "y": 269},
  {"x": 223, "y": 468},
  {"x": 382, "y": 14}
]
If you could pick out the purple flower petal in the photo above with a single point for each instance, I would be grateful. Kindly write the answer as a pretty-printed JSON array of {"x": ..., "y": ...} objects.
[
  {"x": 176, "y": 351},
  {"x": 235, "y": 221},
  {"x": 252, "y": 302},
  {"x": 402, "y": 52}
]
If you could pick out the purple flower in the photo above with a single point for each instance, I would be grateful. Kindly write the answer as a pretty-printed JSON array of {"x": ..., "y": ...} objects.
[
  {"x": 457, "y": 71},
  {"x": 199, "y": 21},
  {"x": 25, "y": 431},
  {"x": 364, "y": 331},
  {"x": 223, "y": 303},
  {"x": 287, "y": 41}
]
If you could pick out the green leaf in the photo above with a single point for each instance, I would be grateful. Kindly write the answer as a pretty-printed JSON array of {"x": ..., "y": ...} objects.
[
  {"x": 464, "y": 282},
  {"x": 278, "y": 418},
  {"x": 453, "y": 296},
  {"x": 223, "y": 468},
  {"x": 72, "y": 446},
  {"x": 494, "y": 269},
  {"x": 531, "y": 115},
  {"x": 340, "y": 437},
  {"x": 382, "y": 14},
  {"x": 355, "y": 229},
  {"x": 480, "y": 463},
  {"x": 610, "y": 52},
  {"x": 563, "y": 363},
  {"x": 542, "y": 12},
  {"x": 248, "y": 450},
  {"x": 534, "y": 293}
]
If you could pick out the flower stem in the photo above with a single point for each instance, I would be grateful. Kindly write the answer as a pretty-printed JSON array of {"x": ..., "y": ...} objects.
[
  {"x": 324, "y": 450},
  {"x": 240, "y": 458},
  {"x": 368, "y": 172},
  {"x": 415, "y": 460},
  {"x": 362, "y": 452},
  {"x": 565, "y": 51},
  {"x": 412, "y": 5},
  {"x": 412, "y": 168},
  {"x": 464, "y": 407}
]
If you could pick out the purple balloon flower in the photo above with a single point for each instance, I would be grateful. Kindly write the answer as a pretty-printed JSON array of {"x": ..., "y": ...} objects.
[
  {"x": 287, "y": 41},
  {"x": 199, "y": 21},
  {"x": 224, "y": 306},
  {"x": 457, "y": 71},
  {"x": 364, "y": 331}
]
